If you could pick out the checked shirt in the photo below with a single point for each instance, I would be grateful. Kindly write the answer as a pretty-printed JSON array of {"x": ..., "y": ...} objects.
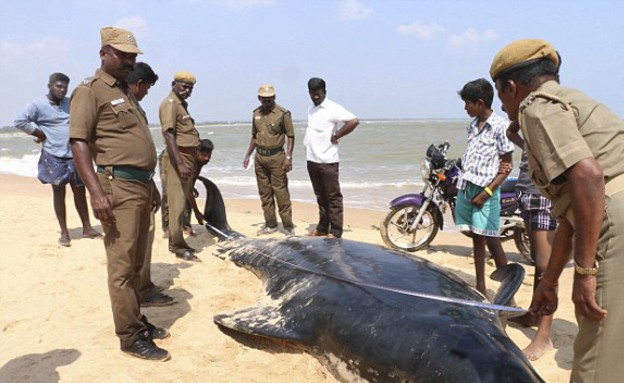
[{"x": 481, "y": 159}]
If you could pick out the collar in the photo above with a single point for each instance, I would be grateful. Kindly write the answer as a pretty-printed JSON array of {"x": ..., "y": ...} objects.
[{"x": 108, "y": 79}]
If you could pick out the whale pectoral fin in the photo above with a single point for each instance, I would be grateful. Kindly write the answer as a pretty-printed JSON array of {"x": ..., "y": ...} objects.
[
  {"x": 263, "y": 321},
  {"x": 510, "y": 277}
]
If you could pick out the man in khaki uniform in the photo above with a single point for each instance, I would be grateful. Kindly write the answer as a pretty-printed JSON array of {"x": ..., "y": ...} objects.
[
  {"x": 106, "y": 125},
  {"x": 576, "y": 158},
  {"x": 270, "y": 126},
  {"x": 179, "y": 160}
]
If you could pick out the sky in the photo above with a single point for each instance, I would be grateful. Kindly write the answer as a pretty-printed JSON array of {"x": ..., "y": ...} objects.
[{"x": 381, "y": 59}]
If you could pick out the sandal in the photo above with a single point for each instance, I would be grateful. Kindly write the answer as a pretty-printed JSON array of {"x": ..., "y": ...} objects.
[{"x": 315, "y": 233}]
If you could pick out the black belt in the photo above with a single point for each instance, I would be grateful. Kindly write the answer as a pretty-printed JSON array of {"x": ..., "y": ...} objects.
[
  {"x": 127, "y": 173},
  {"x": 269, "y": 152}
]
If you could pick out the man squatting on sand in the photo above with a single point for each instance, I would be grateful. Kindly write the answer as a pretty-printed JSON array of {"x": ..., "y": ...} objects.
[
  {"x": 575, "y": 147},
  {"x": 106, "y": 126}
]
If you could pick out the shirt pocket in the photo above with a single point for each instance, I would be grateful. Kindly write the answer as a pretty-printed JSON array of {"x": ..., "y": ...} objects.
[{"x": 126, "y": 115}]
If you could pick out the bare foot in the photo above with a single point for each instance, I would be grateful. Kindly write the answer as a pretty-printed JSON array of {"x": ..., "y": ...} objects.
[
  {"x": 536, "y": 349},
  {"x": 90, "y": 233},
  {"x": 189, "y": 231},
  {"x": 64, "y": 240}
]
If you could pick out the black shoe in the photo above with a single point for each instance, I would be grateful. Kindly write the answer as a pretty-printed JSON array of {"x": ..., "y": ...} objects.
[
  {"x": 158, "y": 300},
  {"x": 155, "y": 332},
  {"x": 145, "y": 348},
  {"x": 187, "y": 255}
]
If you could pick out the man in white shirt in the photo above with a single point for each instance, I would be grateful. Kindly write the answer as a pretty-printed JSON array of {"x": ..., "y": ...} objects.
[{"x": 328, "y": 122}]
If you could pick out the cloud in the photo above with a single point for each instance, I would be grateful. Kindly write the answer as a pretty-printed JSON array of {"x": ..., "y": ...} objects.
[
  {"x": 134, "y": 24},
  {"x": 354, "y": 10},
  {"x": 472, "y": 38},
  {"x": 422, "y": 31},
  {"x": 11, "y": 52},
  {"x": 238, "y": 4}
]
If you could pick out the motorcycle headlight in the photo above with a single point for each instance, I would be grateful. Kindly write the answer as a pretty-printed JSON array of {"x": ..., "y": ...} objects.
[{"x": 425, "y": 169}]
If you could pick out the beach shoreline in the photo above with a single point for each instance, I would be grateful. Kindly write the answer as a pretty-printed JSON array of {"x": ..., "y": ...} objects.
[{"x": 56, "y": 323}]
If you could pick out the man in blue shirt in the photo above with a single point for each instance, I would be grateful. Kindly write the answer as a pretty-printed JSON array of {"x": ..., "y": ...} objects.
[{"x": 47, "y": 119}]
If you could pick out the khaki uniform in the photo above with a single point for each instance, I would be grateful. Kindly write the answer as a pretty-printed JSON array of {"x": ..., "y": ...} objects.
[
  {"x": 270, "y": 131},
  {"x": 562, "y": 126},
  {"x": 103, "y": 115},
  {"x": 174, "y": 115}
]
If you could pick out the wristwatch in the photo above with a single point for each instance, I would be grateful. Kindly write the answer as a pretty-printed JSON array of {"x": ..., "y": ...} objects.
[{"x": 586, "y": 270}]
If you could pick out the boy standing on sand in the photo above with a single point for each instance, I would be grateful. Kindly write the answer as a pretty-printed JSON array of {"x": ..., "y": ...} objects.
[{"x": 478, "y": 199}]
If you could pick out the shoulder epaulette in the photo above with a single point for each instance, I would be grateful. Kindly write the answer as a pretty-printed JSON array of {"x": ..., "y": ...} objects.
[
  {"x": 543, "y": 95},
  {"x": 88, "y": 80}
]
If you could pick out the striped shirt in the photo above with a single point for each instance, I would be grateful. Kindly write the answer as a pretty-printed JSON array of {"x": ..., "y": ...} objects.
[{"x": 481, "y": 159}]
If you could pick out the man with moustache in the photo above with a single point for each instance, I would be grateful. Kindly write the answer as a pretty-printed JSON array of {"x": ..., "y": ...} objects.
[
  {"x": 180, "y": 158},
  {"x": 575, "y": 147},
  {"x": 271, "y": 128},
  {"x": 47, "y": 119},
  {"x": 328, "y": 123},
  {"x": 106, "y": 125}
]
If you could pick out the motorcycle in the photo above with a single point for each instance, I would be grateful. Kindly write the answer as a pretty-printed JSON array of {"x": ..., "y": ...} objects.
[{"x": 414, "y": 219}]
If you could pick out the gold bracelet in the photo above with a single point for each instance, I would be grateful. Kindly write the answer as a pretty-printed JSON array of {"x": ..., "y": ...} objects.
[
  {"x": 586, "y": 270},
  {"x": 488, "y": 191}
]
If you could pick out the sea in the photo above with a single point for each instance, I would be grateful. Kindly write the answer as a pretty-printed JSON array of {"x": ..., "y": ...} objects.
[{"x": 378, "y": 161}]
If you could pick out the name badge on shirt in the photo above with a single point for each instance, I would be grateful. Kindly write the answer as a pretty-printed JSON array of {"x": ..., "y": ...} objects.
[{"x": 117, "y": 101}]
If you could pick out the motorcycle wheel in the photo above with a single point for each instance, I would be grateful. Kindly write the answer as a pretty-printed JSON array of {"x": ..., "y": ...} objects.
[
  {"x": 521, "y": 238},
  {"x": 395, "y": 228}
]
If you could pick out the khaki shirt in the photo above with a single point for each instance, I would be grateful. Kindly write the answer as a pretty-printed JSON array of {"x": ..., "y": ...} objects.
[
  {"x": 104, "y": 115},
  {"x": 270, "y": 130},
  {"x": 562, "y": 126},
  {"x": 174, "y": 116}
]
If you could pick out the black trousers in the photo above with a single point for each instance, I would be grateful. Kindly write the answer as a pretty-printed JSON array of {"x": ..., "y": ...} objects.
[{"x": 326, "y": 183}]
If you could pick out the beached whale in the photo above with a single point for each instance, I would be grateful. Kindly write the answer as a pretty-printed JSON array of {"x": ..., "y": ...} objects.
[{"x": 345, "y": 303}]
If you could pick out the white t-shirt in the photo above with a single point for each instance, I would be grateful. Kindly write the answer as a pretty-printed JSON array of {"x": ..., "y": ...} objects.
[{"x": 323, "y": 121}]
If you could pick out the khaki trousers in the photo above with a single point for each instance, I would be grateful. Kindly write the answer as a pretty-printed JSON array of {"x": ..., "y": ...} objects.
[
  {"x": 273, "y": 186},
  {"x": 126, "y": 242},
  {"x": 598, "y": 345},
  {"x": 177, "y": 191}
]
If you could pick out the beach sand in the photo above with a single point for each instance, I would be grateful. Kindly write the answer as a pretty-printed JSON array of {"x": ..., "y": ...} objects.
[{"x": 56, "y": 323}]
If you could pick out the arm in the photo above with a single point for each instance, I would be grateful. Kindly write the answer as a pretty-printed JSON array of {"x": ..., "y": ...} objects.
[
  {"x": 250, "y": 149},
  {"x": 100, "y": 204},
  {"x": 587, "y": 189},
  {"x": 26, "y": 123},
  {"x": 512, "y": 134},
  {"x": 347, "y": 128},
  {"x": 193, "y": 203},
  {"x": 545, "y": 299},
  {"x": 155, "y": 202},
  {"x": 498, "y": 180},
  {"x": 174, "y": 153},
  {"x": 289, "y": 149}
]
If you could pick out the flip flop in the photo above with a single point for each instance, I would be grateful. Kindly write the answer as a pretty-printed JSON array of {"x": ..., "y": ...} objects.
[
  {"x": 96, "y": 235},
  {"x": 315, "y": 233}
]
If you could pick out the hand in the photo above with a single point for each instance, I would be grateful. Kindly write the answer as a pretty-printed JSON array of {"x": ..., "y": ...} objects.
[
  {"x": 102, "y": 208},
  {"x": 155, "y": 199},
  {"x": 479, "y": 199},
  {"x": 199, "y": 217},
  {"x": 287, "y": 165},
  {"x": 39, "y": 136},
  {"x": 504, "y": 168},
  {"x": 185, "y": 172},
  {"x": 246, "y": 162},
  {"x": 584, "y": 297},
  {"x": 334, "y": 140},
  {"x": 545, "y": 300}
]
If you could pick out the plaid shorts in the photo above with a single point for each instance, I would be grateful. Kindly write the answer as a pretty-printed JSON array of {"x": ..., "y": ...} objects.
[{"x": 535, "y": 209}]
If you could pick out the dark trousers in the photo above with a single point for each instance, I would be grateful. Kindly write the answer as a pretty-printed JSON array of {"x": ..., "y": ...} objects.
[{"x": 326, "y": 183}]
